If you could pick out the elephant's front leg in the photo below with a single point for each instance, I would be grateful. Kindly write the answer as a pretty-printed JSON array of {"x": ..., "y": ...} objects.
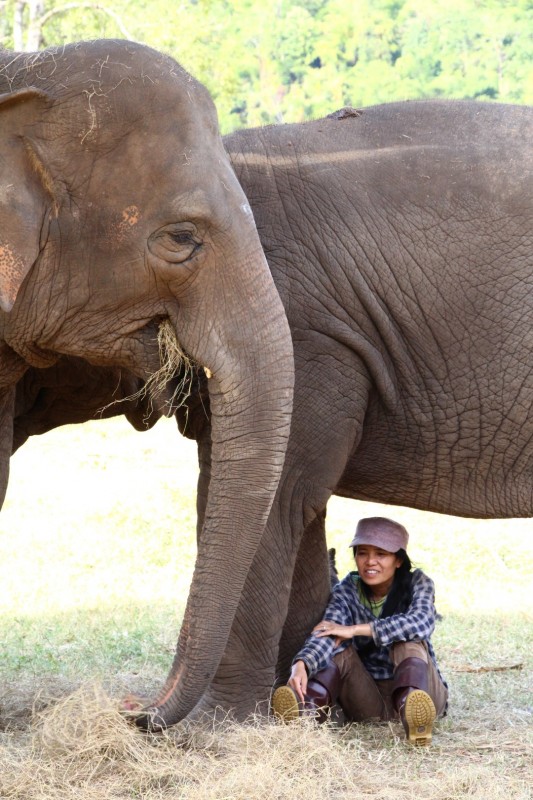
[
  {"x": 310, "y": 590},
  {"x": 246, "y": 672},
  {"x": 331, "y": 401}
]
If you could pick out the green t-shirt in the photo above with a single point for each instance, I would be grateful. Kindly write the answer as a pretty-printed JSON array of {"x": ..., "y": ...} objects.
[{"x": 375, "y": 606}]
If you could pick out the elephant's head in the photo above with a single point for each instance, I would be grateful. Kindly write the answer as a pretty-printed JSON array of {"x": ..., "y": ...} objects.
[{"x": 119, "y": 210}]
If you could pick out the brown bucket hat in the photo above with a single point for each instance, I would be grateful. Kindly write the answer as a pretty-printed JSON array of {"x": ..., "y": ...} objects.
[{"x": 381, "y": 532}]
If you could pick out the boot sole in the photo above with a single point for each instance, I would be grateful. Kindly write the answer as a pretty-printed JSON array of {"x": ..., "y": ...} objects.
[
  {"x": 285, "y": 704},
  {"x": 419, "y": 714}
]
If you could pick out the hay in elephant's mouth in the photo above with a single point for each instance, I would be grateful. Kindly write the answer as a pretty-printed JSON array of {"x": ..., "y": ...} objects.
[
  {"x": 82, "y": 748},
  {"x": 174, "y": 362},
  {"x": 168, "y": 388}
]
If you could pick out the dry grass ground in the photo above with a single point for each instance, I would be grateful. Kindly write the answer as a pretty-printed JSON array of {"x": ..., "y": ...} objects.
[{"x": 97, "y": 548}]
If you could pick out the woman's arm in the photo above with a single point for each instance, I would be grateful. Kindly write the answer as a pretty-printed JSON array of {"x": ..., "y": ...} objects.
[
  {"x": 317, "y": 650},
  {"x": 298, "y": 679}
]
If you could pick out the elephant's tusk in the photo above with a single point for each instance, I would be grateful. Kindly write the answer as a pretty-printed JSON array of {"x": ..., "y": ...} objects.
[{"x": 208, "y": 373}]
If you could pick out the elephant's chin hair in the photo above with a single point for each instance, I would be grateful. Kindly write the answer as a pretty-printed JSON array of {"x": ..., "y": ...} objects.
[{"x": 174, "y": 361}]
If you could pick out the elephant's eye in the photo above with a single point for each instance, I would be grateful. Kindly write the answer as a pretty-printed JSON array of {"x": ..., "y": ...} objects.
[
  {"x": 182, "y": 238},
  {"x": 175, "y": 243}
]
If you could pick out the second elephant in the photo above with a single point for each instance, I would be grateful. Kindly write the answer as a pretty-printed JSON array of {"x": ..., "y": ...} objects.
[{"x": 400, "y": 240}]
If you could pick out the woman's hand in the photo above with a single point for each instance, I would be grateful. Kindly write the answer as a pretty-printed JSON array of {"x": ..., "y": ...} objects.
[
  {"x": 341, "y": 632},
  {"x": 298, "y": 679}
]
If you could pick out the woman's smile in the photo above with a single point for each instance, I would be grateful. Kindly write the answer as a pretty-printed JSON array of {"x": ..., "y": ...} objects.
[{"x": 376, "y": 567}]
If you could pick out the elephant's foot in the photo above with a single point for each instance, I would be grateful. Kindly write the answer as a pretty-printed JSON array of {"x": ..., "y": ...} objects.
[{"x": 236, "y": 703}]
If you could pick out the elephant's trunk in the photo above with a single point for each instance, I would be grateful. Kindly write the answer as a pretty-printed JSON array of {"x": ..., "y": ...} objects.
[{"x": 251, "y": 404}]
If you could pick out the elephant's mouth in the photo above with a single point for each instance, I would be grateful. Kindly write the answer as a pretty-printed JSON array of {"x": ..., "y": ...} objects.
[
  {"x": 172, "y": 383},
  {"x": 168, "y": 387}
]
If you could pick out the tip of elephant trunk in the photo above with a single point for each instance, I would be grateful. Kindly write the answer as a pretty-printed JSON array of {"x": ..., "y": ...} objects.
[
  {"x": 145, "y": 716},
  {"x": 150, "y": 720}
]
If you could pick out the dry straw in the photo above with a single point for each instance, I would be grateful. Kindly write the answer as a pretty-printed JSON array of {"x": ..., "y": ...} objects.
[
  {"x": 82, "y": 747},
  {"x": 174, "y": 362}
]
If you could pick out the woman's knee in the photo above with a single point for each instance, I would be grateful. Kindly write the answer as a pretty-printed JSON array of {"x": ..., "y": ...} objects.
[{"x": 399, "y": 651}]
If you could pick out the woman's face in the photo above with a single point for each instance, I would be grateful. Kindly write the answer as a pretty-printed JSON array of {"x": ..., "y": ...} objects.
[{"x": 376, "y": 567}]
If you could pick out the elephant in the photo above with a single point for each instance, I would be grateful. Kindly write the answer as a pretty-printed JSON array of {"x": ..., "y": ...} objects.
[
  {"x": 121, "y": 219},
  {"x": 400, "y": 240}
]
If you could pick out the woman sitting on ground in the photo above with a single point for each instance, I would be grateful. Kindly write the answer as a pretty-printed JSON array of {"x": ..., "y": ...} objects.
[{"x": 372, "y": 651}]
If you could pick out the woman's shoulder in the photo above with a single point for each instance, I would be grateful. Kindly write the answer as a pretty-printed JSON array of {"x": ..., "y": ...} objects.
[
  {"x": 419, "y": 578},
  {"x": 348, "y": 583}
]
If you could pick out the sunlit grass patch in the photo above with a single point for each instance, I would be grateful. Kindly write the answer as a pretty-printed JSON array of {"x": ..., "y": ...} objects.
[
  {"x": 97, "y": 519},
  {"x": 88, "y": 641}
]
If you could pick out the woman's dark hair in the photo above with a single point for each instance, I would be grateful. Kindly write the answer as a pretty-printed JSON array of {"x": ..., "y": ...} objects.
[{"x": 400, "y": 595}]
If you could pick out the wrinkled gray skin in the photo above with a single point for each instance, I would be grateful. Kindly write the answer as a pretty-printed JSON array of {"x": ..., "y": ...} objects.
[
  {"x": 400, "y": 241},
  {"x": 118, "y": 210}
]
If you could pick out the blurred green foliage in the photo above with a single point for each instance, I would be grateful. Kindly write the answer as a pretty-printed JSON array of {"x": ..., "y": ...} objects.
[{"x": 291, "y": 60}]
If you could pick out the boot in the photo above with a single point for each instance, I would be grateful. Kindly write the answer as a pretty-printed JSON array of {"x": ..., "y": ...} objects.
[
  {"x": 411, "y": 700},
  {"x": 322, "y": 692}
]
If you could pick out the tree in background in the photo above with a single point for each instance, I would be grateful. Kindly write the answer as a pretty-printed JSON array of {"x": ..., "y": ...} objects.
[
  {"x": 29, "y": 25},
  {"x": 290, "y": 60}
]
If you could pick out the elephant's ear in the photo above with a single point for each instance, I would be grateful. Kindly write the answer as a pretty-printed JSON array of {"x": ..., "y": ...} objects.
[{"x": 24, "y": 190}]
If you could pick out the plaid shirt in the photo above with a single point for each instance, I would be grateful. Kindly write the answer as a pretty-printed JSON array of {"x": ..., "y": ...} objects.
[{"x": 346, "y": 608}]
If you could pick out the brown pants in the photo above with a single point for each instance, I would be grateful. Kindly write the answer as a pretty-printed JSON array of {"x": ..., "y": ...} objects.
[{"x": 363, "y": 698}]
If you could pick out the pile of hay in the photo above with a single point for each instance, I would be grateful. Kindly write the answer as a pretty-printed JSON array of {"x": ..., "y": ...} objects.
[{"x": 82, "y": 748}]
